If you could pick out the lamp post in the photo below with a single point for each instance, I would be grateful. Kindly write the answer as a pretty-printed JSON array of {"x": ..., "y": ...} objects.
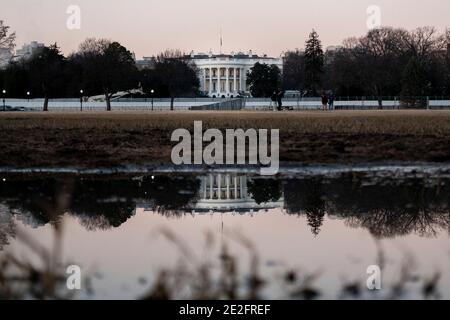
[
  {"x": 4, "y": 99},
  {"x": 28, "y": 95},
  {"x": 152, "y": 92},
  {"x": 81, "y": 100}
]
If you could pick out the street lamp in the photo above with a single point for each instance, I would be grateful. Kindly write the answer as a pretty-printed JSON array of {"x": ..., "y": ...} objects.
[
  {"x": 152, "y": 92},
  {"x": 28, "y": 95},
  {"x": 4, "y": 101},
  {"x": 81, "y": 100}
]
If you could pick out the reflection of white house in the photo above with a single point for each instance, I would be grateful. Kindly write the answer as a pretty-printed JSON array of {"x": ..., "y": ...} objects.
[
  {"x": 225, "y": 75},
  {"x": 228, "y": 193}
]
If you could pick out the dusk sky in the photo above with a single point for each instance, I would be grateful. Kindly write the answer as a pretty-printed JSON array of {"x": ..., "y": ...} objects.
[{"x": 265, "y": 26}]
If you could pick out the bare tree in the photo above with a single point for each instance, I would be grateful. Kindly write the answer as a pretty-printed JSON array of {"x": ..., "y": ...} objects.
[
  {"x": 175, "y": 75},
  {"x": 423, "y": 42},
  {"x": 7, "y": 43},
  {"x": 93, "y": 46},
  {"x": 293, "y": 70},
  {"x": 107, "y": 67},
  {"x": 380, "y": 53}
]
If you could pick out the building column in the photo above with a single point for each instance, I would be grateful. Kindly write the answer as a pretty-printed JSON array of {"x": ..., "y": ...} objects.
[
  {"x": 211, "y": 187},
  {"x": 228, "y": 186},
  {"x": 242, "y": 186},
  {"x": 218, "y": 82},
  {"x": 240, "y": 79},
  {"x": 204, "y": 80},
  {"x": 210, "y": 81},
  {"x": 227, "y": 80},
  {"x": 234, "y": 80},
  {"x": 219, "y": 186},
  {"x": 205, "y": 187},
  {"x": 243, "y": 81}
]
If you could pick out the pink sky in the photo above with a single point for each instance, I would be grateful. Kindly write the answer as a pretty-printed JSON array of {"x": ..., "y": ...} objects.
[
  {"x": 265, "y": 26},
  {"x": 135, "y": 249}
]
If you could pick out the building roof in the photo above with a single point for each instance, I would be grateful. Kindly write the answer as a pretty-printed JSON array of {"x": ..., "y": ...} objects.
[{"x": 238, "y": 55}]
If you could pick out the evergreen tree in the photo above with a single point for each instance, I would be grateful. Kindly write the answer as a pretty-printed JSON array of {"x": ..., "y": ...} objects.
[
  {"x": 315, "y": 220},
  {"x": 263, "y": 80},
  {"x": 314, "y": 62}
]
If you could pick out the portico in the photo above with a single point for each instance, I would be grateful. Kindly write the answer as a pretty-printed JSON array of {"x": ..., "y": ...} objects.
[
  {"x": 223, "y": 81},
  {"x": 225, "y": 76},
  {"x": 225, "y": 192}
]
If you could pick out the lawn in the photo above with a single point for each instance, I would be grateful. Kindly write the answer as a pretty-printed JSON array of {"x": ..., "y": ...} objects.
[{"x": 92, "y": 140}]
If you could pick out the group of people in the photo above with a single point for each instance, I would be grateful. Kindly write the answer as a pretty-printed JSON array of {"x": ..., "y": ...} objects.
[
  {"x": 327, "y": 101},
  {"x": 278, "y": 95}
]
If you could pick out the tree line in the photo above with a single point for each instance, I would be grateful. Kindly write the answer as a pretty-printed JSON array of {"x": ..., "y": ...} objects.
[
  {"x": 384, "y": 62},
  {"x": 98, "y": 68}
]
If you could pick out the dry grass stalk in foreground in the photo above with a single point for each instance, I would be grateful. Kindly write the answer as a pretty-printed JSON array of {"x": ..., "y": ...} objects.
[{"x": 220, "y": 276}]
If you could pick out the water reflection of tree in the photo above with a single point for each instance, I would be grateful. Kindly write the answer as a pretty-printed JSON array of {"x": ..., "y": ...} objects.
[
  {"x": 386, "y": 207},
  {"x": 264, "y": 190},
  {"x": 171, "y": 195},
  {"x": 306, "y": 196},
  {"x": 385, "y": 224},
  {"x": 99, "y": 203},
  {"x": 7, "y": 227}
]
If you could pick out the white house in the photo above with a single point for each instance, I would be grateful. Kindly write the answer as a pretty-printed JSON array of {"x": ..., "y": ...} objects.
[{"x": 225, "y": 75}]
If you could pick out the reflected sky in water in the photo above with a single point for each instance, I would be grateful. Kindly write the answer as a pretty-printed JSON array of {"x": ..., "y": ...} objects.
[{"x": 336, "y": 226}]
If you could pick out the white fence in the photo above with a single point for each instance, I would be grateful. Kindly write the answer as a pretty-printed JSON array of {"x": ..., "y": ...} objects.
[
  {"x": 199, "y": 103},
  {"x": 316, "y": 104},
  {"x": 74, "y": 104}
]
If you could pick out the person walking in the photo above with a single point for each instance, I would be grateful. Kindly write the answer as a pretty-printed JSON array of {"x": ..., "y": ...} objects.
[
  {"x": 331, "y": 101},
  {"x": 324, "y": 102},
  {"x": 273, "y": 103},
  {"x": 280, "y": 96}
]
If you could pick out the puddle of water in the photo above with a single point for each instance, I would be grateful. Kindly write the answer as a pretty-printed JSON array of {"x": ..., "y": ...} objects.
[{"x": 334, "y": 224}]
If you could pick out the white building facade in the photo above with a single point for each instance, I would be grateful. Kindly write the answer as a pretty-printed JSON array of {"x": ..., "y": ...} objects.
[
  {"x": 225, "y": 75},
  {"x": 28, "y": 49}
]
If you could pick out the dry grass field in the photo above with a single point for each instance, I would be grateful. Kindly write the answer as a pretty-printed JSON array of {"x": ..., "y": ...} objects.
[{"x": 112, "y": 139}]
